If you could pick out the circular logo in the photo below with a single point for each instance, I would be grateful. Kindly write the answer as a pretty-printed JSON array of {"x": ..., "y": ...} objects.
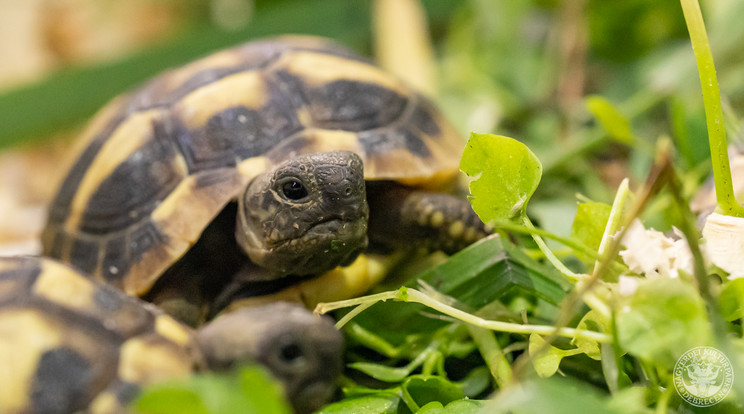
[{"x": 703, "y": 376}]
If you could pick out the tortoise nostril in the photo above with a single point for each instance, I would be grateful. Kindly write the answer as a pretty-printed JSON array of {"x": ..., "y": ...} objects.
[{"x": 348, "y": 191}]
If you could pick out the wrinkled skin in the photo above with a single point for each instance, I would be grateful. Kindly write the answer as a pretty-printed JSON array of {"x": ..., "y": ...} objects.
[{"x": 306, "y": 216}]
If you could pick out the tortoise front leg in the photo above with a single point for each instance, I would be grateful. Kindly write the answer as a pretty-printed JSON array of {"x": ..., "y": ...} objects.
[{"x": 402, "y": 217}]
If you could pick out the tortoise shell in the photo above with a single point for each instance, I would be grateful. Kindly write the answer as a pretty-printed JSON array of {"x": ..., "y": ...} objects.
[
  {"x": 68, "y": 343},
  {"x": 157, "y": 165}
]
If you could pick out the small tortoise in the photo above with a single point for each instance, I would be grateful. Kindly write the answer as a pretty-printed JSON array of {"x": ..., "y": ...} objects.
[
  {"x": 283, "y": 158},
  {"x": 69, "y": 343}
]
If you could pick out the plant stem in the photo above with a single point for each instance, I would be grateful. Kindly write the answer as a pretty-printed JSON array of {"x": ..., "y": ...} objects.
[
  {"x": 548, "y": 253},
  {"x": 414, "y": 296},
  {"x": 572, "y": 244},
  {"x": 726, "y": 201},
  {"x": 492, "y": 354}
]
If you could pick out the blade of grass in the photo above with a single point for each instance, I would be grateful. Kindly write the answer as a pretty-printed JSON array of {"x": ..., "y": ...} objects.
[{"x": 726, "y": 201}]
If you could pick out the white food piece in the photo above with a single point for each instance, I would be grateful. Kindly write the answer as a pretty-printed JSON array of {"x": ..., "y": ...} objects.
[
  {"x": 724, "y": 242},
  {"x": 650, "y": 252}
]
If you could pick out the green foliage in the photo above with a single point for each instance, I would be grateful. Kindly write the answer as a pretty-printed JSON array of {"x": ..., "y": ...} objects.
[
  {"x": 455, "y": 407},
  {"x": 656, "y": 322},
  {"x": 589, "y": 225},
  {"x": 592, "y": 321},
  {"x": 565, "y": 396},
  {"x": 420, "y": 390},
  {"x": 377, "y": 403},
  {"x": 417, "y": 394},
  {"x": 247, "y": 390},
  {"x": 732, "y": 300},
  {"x": 546, "y": 358},
  {"x": 477, "y": 277}
]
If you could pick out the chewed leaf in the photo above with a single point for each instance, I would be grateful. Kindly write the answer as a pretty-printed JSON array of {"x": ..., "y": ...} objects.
[{"x": 505, "y": 173}]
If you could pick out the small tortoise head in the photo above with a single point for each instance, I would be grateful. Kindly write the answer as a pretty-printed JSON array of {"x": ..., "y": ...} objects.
[
  {"x": 306, "y": 215},
  {"x": 302, "y": 350}
]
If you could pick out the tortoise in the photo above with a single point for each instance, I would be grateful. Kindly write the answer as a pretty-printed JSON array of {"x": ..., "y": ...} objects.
[
  {"x": 258, "y": 166},
  {"x": 70, "y": 343}
]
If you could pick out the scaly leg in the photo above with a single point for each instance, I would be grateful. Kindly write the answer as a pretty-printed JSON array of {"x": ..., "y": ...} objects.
[{"x": 402, "y": 217}]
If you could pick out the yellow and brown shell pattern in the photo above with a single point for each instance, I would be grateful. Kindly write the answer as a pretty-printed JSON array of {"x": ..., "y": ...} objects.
[
  {"x": 155, "y": 166},
  {"x": 68, "y": 343}
]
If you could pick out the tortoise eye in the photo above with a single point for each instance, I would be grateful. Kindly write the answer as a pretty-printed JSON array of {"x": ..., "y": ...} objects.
[{"x": 294, "y": 190}]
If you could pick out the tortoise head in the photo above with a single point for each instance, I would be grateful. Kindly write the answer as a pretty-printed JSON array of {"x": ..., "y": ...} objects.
[
  {"x": 302, "y": 350},
  {"x": 306, "y": 215}
]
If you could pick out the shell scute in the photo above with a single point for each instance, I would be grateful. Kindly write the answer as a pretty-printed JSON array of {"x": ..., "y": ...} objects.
[
  {"x": 143, "y": 190},
  {"x": 62, "y": 335}
]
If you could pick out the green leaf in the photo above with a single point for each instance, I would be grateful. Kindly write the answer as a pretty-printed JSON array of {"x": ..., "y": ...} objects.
[
  {"x": 631, "y": 399},
  {"x": 557, "y": 395},
  {"x": 380, "y": 403},
  {"x": 249, "y": 389},
  {"x": 615, "y": 377},
  {"x": 616, "y": 124},
  {"x": 359, "y": 391},
  {"x": 545, "y": 363},
  {"x": 589, "y": 225},
  {"x": 662, "y": 320},
  {"x": 382, "y": 372},
  {"x": 434, "y": 407},
  {"x": 592, "y": 321},
  {"x": 732, "y": 300},
  {"x": 489, "y": 269},
  {"x": 476, "y": 382},
  {"x": 505, "y": 173},
  {"x": 170, "y": 399},
  {"x": 264, "y": 393},
  {"x": 465, "y": 406},
  {"x": 418, "y": 390}
]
